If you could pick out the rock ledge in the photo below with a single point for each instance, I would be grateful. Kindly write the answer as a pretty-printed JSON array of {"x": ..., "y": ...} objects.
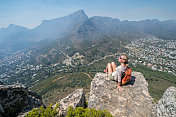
[{"x": 134, "y": 101}]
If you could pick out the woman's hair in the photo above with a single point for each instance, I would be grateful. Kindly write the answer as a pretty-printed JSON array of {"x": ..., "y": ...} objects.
[{"x": 125, "y": 58}]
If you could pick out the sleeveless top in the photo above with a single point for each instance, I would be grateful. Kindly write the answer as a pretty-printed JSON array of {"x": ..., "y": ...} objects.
[{"x": 118, "y": 73}]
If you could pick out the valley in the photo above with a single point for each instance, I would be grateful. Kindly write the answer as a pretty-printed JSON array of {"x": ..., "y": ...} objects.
[{"x": 57, "y": 71}]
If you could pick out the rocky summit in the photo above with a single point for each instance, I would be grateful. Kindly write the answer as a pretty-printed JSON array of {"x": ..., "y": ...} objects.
[
  {"x": 15, "y": 99},
  {"x": 133, "y": 101}
]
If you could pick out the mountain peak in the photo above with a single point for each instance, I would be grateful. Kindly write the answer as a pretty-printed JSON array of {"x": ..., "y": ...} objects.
[
  {"x": 13, "y": 26},
  {"x": 79, "y": 13}
]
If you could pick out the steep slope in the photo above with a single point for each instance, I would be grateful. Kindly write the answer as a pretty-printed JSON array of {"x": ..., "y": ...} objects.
[
  {"x": 106, "y": 24},
  {"x": 113, "y": 26},
  {"x": 78, "y": 29},
  {"x": 157, "y": 28},
  {"x": 60, "y": 27},
  {"x": 14, "y": 37},
  {"x": 86, "y": 34}
]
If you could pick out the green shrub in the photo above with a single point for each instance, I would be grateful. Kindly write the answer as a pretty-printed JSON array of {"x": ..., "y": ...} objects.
[
  {"x": 81, "y": 112},
  {"x": 42, "y": 112},
  {"x": 77, "y": 112}
]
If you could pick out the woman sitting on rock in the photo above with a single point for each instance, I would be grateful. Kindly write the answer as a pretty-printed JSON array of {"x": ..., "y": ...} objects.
[{"x": 118, "y": 71}]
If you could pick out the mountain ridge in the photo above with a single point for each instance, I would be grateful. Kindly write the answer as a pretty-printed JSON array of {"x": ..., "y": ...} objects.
[
  {"x": 60, "y": 26},
  {"x": 78, "y": 28}
]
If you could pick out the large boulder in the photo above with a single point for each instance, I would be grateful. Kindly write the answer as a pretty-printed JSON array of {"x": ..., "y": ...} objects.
[
  {"x": 167, "y": 104},
  {"x": 75, "y": 99},
  {"x": 15, "y": 99},
  {"x": 133, "y": 101}
]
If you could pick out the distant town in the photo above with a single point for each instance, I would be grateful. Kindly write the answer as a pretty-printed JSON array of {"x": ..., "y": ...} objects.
[
  {"x": 22, "y": 66},
  {"x": 154, "y": 53}
]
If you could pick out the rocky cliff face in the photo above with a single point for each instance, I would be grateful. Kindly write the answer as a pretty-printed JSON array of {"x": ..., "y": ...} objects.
[
  {"x": 133, "y": 101},
  {"x": 17, "y": 98},
  {"x": 167, "y": 104},
  {"x": 75, "y": 99}
]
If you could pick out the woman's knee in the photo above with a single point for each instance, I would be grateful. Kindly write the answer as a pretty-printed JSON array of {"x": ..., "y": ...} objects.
[
  {"x": 113, "y": 64},
  {"x": 109, "y": 65}
]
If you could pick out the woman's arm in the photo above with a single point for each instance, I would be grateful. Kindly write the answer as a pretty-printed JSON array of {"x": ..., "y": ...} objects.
[
  {"x": 119, "y": 75},
  {"x": 119, "y": 79}
]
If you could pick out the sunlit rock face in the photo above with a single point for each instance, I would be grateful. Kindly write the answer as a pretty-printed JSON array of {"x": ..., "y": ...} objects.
[
  {"x": 167, "y": 104},
  {"x": 133, "y": 101},
  {"x": 75, "y": 99}
]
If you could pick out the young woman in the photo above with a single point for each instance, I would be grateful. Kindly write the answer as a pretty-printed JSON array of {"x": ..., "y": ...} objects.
[{"x": 118, "y": 71}]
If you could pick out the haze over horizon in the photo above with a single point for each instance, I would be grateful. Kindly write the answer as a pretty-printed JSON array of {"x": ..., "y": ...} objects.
[{"x": 30, "y": 13}]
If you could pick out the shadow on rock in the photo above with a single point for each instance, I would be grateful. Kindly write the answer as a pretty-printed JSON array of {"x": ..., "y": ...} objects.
[{"x": 131, "y": 82}]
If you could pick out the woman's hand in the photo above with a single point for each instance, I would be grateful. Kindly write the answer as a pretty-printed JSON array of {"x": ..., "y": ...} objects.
[{"x": 119, "y": 88}]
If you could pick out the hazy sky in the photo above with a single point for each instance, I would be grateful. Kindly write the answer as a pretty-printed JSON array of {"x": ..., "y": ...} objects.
[{"x": 30, "y": 13}]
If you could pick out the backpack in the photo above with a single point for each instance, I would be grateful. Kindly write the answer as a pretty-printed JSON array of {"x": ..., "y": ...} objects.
[{"x": 126, "y": 76}]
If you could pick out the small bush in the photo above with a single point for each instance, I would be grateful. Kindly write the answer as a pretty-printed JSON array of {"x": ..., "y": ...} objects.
[
  {"x": 81, "y": 112},
  {"x": 155, "y": 100},
  {"x": 77, "y": 112},
  {"x": 42, "y": 112}
]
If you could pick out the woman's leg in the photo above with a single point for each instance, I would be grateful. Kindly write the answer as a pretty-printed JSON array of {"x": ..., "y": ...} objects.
[
  {"x": 108, "y": 68},
  {"x": 113, "y": 66}
]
